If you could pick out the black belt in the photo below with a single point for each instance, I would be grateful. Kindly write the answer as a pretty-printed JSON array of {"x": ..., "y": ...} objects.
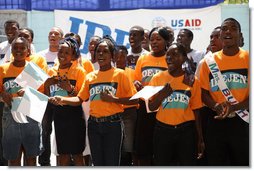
[
  {"x": 111, "y": 118},
  {"x": 131, "y": 108},
  {"x": 181, "y": 125}
]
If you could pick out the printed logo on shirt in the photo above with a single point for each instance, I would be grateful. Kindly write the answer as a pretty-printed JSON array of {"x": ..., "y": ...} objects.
[
  {"x": 55, "y": 90},
  {"x": 50, "y": 64},
  {"x": 179, "y": 99},
  {"x": 10, "y": 86},
  {"x": 96, "y": 89},
  {"x": 234, "y": 79},
  {"x": 149, "y": 72}
]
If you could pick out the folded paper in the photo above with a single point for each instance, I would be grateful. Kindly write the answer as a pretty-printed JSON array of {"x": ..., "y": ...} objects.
[
  {"x": 33, "y": 104},
  {"x": 146, "y": 93},
  {"x": 32, "y": 76},
  {"x": 17, "y": 116}
]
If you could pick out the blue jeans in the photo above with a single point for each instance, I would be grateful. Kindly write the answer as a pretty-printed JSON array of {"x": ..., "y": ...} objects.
[
  {"x": 105, "y": 139},
  {"x": 16, "y": 135}
]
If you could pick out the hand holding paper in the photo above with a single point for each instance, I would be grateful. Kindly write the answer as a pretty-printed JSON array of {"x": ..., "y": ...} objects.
[{"x": 146, "y": 93}]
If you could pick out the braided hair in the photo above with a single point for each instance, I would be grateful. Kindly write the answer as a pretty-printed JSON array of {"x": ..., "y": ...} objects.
[
  {"x": 72, "y": 43},
  {"x": 110, "y": 42}
]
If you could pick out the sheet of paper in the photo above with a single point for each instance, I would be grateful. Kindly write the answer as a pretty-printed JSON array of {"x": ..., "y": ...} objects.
[
  {"x": 146, "y": 93},
  {"x": 17, "y": 116},
  {"x": 32, "y": 76},
  {"x": 33, "y": 104},
  {"x": 2, "y": 60}
]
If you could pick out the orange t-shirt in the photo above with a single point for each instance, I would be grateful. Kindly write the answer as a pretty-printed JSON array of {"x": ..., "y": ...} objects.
[
  {"x": 130, "y": 74},
  {"x": 113, "y": 80},
  {"x": 235, "y": 71},
  {"x": 8, "y": 73},
  {"x": 147, "y": 66},
  {"x": 37, "y": 59},
  {"x": 178, "y": 107},
  {"x": 87, "y": 65},
  {"x": 75, "y": 74}
]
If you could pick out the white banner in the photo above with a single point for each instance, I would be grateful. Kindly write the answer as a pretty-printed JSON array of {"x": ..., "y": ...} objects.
[{"x": 117, "y": 23}]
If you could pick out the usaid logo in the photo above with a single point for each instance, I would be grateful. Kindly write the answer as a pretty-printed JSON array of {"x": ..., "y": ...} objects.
[
  {"x": 192, "y": 24},
  {"x": 177, "y": 24}
]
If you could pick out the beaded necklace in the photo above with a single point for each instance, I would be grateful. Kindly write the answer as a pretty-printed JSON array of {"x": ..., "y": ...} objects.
[{"x": 65, "y": 75}]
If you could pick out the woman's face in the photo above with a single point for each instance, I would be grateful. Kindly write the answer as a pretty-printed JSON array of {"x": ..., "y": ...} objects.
[
  {"x": 20, "y": 50},
  {"x": 157, "y": 43},
  {"x": 64, "y": 54},
  {"x": 103, "y": 55},
  {"x": 174, "y": 59}
]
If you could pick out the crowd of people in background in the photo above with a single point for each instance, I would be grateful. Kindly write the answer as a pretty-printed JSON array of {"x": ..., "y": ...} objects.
[{"x": 93, "y": 122}]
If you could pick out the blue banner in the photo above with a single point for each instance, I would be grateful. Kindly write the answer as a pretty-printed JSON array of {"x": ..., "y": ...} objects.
[{"x": 104, "y": 5}]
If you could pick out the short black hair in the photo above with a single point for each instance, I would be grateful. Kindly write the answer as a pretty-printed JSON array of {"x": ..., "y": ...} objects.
[
  {"x": 95, "y": 36},
  {"x": 139, "y": 28},
  {"x": 11, "y": 22},
  {"x": 180, "y": 48},
  {"x": 189, "y": 33},
  {"x": 219, "y": 27},
  {"x": 29, "y": 30},
  {"x": 23, "y": 40},
  {"x": 110, "y": 43},
  {"x": 122, "y": 47},
  {"x": 234, "y": 20}
]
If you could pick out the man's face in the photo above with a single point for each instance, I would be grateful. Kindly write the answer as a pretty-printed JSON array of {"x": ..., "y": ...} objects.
[
  {"x": 54, "y": 36},
  {"x": 215, "y": 41},
  {"x": 183, "y": 38},
  {"x": 230, "y": 34},
  {"x": 11, "y": 31},
  {"x": 135, "y": 38}
]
